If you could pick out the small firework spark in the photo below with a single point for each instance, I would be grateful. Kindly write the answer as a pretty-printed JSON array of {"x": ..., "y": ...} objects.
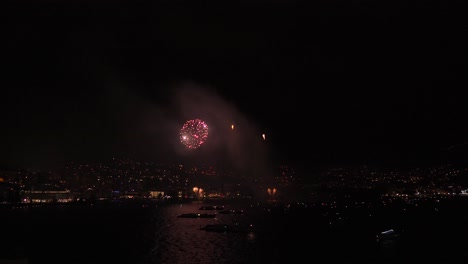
[
  {"x": 264, "y": 136},
  {"x": 194, "y": 133}
]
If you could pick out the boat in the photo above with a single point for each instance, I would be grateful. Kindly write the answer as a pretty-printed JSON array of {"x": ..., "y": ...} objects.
[
  {"x": 387, "y": 236},
  {"x": 197, "y": 215},
  {"x": 15, "y": 261},
  {"x": 211, "y": 207},
  {"x": 225, "y": 228},
  {"x": 231, "y": 212}
]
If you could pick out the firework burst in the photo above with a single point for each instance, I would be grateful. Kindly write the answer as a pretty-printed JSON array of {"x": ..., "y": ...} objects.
[{"x": 194, "y": 133}]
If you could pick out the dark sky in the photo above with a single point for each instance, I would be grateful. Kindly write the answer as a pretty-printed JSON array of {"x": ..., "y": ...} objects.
[{"x": 328, "y": 81}]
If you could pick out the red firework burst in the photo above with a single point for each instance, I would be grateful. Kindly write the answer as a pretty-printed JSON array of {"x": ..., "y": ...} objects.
[{"x": 194, "y": 133}]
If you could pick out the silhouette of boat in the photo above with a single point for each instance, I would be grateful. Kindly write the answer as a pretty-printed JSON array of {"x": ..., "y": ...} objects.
[
  {"x": 231, "y": 212},
  {"x": 225, "y": 228},
  {"x": 211, "y": 207},
  {"x": 15, "y": 261},
  {"x": 197, "y": 215}
]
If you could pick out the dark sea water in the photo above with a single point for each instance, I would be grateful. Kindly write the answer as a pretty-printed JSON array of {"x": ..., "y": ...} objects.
[{"x": 145, "y": 232}]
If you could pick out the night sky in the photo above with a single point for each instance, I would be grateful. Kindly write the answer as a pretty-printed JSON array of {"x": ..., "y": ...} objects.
[{"x": 328, "y": 82}]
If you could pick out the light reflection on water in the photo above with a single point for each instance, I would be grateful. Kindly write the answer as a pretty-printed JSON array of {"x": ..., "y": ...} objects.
[
  {"x": 280, "y": 235},
  {"x": 138, "y": 233},
  {"x": 180, "y": 240},
  {"x": 144, "y": 234}
]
